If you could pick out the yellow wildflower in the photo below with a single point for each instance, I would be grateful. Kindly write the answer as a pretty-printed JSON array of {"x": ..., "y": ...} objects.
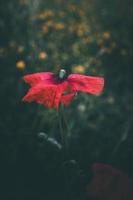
[
  {"x": 42, "y": 56},
  {"x": 21, "y": 65},
  {"x": 45, "y": 14},
  {"x": 106, "y": 35},
  {"x": 78, "y": 69},
  {"x": 59, "y": 26},
  {"x": 45, "y": 29},
  {"x": 50, "y": 23}
]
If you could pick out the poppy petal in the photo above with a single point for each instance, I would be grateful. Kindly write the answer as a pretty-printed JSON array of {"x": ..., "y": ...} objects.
[
  {"x": 46, "y": 94},
  {"x": 35, "y": 78},
  {"x": 89, "y": 84},
  {"x": 41, "y": 94},
  {"x": 51, "y": 97}
]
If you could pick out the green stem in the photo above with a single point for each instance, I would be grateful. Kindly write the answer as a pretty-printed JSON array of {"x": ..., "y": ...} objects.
[
  {"x": 68, "y": 133},
  {"x": 62, "y": 132}
]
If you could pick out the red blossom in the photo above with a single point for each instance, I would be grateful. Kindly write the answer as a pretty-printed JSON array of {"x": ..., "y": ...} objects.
[
  {"x": 50, "y": 90},
  {"x": 110, "y": 183}
]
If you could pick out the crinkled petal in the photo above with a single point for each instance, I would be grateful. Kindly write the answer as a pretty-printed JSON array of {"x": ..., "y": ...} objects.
[
  {"x": 35, "y": 78},
  {"x": 89, "y": 84},
  {"x": 33, "y": 93},
  {"x": 46, "y": 94},
  {"x": 67, "y": 98},
  {"x": 51, "y": 97}
]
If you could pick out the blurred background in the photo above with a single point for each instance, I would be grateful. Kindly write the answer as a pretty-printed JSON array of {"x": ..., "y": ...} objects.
[{"x": 92, "y": 37}]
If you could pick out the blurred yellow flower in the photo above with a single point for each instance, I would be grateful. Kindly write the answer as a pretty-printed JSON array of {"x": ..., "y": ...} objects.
[
  {"x": 45, "y": 29},
  {"x": 42, "y": 56},
  {"x": 78, "y": 69},
  {"x": 106, "y": 35},
  {"x": 21, "y": 65},
  {"x": 20, "y": 49},
  {"x": 50, "y": 23},
  {"x": 82, "y": 29},
  {"x": 59, "y": 26},
  {"x": 80, "y": 32},
  {"x": 45, "y": 14},
  {"x": 100, "y": 41}
]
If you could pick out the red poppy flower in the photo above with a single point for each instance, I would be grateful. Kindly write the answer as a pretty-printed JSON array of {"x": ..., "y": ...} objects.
[
  {"x": 51, "y": 90},
  {"x": 110, "y": 183}
]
